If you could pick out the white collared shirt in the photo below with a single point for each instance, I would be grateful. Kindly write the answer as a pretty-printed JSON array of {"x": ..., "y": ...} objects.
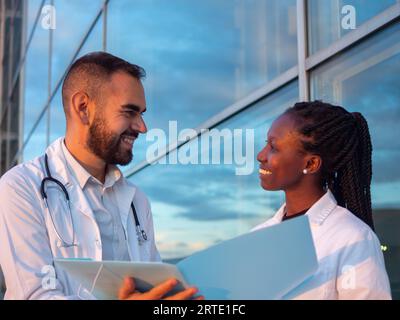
[
  {"x": 351, "y": 264},
  {"x": 102, "y": 200}
]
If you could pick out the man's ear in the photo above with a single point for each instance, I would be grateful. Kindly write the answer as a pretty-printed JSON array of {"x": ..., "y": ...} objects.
[
  {"x": 314, "y": 164},
  {"x": 80, "y": 106}
]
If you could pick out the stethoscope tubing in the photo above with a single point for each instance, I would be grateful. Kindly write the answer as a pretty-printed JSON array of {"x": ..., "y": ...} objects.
[{"x": 141, "y": 234}]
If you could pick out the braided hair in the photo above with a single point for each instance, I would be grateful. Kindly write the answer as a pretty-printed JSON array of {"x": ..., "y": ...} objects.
[{"x": 343, "y": 142}]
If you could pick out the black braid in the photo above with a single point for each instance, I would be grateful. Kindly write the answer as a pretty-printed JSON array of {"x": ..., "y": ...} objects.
[{"x": 343, "y": 141}]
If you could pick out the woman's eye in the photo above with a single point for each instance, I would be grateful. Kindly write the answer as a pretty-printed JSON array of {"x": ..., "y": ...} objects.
[{"x": 270, "y": 144}]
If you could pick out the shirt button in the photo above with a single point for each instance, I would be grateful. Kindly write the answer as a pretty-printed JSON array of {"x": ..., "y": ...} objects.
[{"x": 98, "y": 244}]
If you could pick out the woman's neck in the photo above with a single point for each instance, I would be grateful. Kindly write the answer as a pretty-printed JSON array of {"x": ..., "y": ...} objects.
[{"x": 302, "y": 199}]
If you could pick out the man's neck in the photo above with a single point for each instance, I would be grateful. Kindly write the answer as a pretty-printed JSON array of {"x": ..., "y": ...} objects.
[{"x": 92, "y": 164}]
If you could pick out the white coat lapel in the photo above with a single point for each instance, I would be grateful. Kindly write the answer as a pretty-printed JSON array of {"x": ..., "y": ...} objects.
[
  {"x": 58, "y": 169},
  {"x": 125, "y": 193}
]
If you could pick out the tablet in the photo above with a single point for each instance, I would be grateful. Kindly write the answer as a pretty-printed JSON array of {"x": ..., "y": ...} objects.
[{"x": 104, "y": 278}]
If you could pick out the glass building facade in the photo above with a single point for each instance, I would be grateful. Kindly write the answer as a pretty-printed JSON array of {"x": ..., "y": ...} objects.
[{"x": 213, "y": 64}]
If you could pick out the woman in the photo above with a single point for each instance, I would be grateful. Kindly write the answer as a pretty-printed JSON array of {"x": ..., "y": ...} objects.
[{"x": 320, "y": 156}]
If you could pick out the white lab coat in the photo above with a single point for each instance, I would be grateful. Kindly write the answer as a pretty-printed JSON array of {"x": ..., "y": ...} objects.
[
  {"x": 29, "y": 242},
  {"x": 351, "y": 264}
]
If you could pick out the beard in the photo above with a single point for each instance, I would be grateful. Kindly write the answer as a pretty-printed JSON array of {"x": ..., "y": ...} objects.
[{"x": 106, "y": 144}]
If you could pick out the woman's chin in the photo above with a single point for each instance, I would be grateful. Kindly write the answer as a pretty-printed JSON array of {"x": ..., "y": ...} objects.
[{"x": 268, "y": 187}]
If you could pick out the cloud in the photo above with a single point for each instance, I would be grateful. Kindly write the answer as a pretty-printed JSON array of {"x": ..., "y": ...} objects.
[{"x": 175, "y": 249}]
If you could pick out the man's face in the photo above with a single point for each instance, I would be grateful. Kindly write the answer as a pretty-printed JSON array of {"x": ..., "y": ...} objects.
[{"x": 118, "y": 119}]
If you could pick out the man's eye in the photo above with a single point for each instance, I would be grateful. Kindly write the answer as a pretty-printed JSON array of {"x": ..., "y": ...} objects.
[
  {"x": 131, "y": 112},
  {"x": 134, "y": 113}
]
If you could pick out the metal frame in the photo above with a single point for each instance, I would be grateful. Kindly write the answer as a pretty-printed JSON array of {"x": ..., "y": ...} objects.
[
  {"x": 301, "y": 71},
  {"x": 21, "y": 110},
  {"x": 2, "y": 33},
  {"x": 302, "y": 50},
  {"x": 105, "y": 10},
  {"x": 9, "y": 80},
  {"x": 2, "y": 26},
  {"x": 49, "y": 79}
]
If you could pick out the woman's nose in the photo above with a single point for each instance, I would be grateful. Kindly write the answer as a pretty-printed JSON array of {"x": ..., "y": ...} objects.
[{"x": 262, "y": 155}]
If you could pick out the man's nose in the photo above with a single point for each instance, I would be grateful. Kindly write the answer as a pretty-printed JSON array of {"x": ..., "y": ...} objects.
[{"x": 139, "y": 125}]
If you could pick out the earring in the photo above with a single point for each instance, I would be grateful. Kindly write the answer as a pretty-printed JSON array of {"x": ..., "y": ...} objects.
[{"x": 305, "y": 171}]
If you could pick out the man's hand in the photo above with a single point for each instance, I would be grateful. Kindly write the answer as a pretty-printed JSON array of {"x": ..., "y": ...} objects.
[{"x": 127, "y": 291}]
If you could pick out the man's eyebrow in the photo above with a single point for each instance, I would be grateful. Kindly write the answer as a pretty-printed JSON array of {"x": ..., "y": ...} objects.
[{"x": 133, "y": 107}]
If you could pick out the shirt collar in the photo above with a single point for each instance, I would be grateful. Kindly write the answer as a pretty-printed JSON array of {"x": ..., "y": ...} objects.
[
  {"x": 319, "y": 211},
  {"x": 112, "y": 176}
]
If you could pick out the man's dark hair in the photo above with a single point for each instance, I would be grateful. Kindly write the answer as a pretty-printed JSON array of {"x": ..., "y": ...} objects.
[
  {"x": 92, "y": 70},
  {"x": 343, "y": 141}
]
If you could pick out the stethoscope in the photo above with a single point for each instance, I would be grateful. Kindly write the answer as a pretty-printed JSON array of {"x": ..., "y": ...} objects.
[{"x": 141, "y": 234}]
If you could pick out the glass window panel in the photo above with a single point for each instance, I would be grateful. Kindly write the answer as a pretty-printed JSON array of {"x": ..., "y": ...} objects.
[
  {"x": 57, "y": 117},
  {"x": 197, "y": 205},
  {"x": 57, "y": 122},
  {"x": 74, "y": 18},
  {"x": 36, "y": 78},
  {"x": 14, "y": 128},
  {"x": 325, "y": 18},
  {"x": 366, "y": 79},
  {"x": 37, "y": 143},
  {"x": 202, "y": 56},
  {"x": 11, "y": 42},
  {"x": 15, "y": 35},
  {"x": 33, "y": 6}
]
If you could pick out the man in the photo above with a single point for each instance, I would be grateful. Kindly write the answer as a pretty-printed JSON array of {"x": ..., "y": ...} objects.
[{"x": 73, "y": 202}]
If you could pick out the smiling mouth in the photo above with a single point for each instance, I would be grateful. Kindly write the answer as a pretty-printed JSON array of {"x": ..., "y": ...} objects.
[
  {"x": 129, "y": 140},
  {"x": 265, "y": 172}
]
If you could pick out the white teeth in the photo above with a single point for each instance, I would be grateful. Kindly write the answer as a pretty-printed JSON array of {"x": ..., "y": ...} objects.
[
  {"x": 265, "y": 172},
  {"x": 128, "y": 140}
]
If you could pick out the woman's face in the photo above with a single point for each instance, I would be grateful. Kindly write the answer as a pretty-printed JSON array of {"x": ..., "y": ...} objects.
[{"x": 283, "y": 159}]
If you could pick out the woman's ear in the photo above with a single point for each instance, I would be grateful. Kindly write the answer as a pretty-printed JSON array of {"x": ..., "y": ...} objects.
[{"x": 314, "y": 164}]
